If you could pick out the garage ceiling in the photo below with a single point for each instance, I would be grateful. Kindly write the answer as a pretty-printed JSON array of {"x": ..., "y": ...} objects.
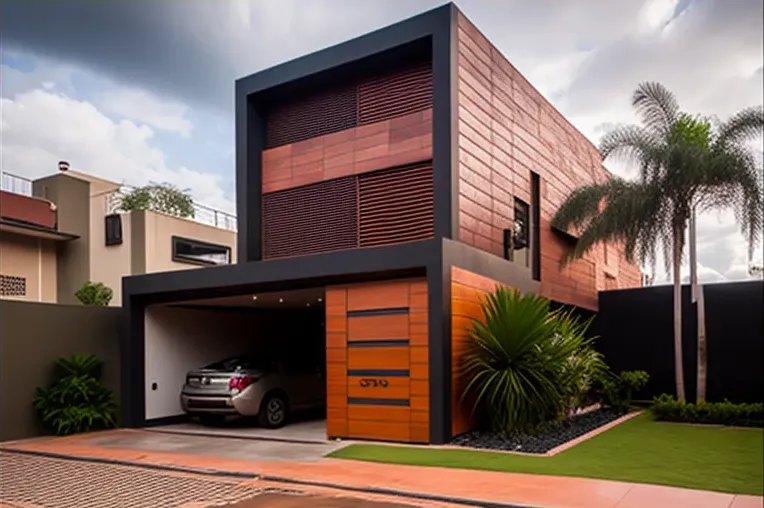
[{"x": 297, "y": 299}]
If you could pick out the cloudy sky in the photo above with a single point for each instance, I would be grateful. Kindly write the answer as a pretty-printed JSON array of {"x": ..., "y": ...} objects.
[{"x": 143, "y": 91}]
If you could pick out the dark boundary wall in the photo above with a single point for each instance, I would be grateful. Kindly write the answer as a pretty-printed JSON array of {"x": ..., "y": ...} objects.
[
  {"x": 635, "y": 328},
  {"x": 32, "y": 337}
]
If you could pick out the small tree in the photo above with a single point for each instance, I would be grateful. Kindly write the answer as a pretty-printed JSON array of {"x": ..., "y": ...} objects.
[
  {"x": 94, "y": 293},
  {"x": 163, "y": 198}
]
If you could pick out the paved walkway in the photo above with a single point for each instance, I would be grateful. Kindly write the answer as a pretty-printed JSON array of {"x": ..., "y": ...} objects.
[{"x": 448, "y": 485}]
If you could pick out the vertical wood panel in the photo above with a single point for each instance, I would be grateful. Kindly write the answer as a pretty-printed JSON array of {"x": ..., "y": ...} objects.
[
  {"x": 401, "y": 411},
  {"x": 336, "y": 362},
  {"x": 468, "y": 291}
]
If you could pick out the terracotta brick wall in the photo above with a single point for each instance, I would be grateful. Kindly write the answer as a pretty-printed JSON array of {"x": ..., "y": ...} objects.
[{"x": 506, "y": 131}]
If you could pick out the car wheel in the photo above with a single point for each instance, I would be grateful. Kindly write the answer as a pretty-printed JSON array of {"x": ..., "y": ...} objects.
[
  {"x": 212, "y": 420},
  {"x": 273, "y": 411}
]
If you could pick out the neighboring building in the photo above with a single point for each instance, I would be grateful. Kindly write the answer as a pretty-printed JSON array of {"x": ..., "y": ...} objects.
[
  {"x": 68, "y": 230},
  {"x": 397, "y": 178}
]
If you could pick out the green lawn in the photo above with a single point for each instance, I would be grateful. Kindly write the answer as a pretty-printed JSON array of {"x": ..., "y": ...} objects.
[{"x": 639, "y": 450}]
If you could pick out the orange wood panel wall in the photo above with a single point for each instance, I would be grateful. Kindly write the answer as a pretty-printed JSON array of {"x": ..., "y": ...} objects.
[
  {"x": 381, "y": 145},
  {"x": 467, "y": 292},
  {"x": 377, "y": 361},
  {"x": 506, "y": 130}
]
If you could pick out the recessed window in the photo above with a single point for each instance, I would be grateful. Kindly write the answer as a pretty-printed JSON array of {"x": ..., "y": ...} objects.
[
  {"x": 521, "y": 228},
  {"x": 186, "y": 250},
  {"x": 13, "y": 286},
  {"x": 113, "y": 229}
]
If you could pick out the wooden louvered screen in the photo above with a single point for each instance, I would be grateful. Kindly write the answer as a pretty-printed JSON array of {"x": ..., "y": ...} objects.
[
  {"x": 312, "y": 116},
  {"x": 396, "y": 94},
  {"x": 396, "y": 206},
  {"x": 321, "y": 217}
]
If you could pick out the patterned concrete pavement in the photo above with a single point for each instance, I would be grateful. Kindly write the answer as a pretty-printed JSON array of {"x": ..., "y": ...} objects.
[{"x": 192, "y": 483}]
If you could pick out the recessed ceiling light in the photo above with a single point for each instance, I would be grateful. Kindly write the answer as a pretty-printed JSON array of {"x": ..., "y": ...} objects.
[
  {"x": 281, "y": 300},
  {"x": 307, "y": 304},
  {"x": 254, "y": 297},
  {"x": 320, "y": 299}
]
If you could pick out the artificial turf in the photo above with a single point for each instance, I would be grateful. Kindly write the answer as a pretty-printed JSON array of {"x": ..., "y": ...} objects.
[{"x": 639, "y": 450}]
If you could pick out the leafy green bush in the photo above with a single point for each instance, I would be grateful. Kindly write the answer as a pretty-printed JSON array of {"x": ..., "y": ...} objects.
[
  {"x": 667, "y": 408},
  {"x": 76, "y": 401},
  {"x": 526, "y": 365},
  {"x": 163, "y": 198},
  {"x": 617, "y": 390},
  {"x": 94, "y": 293}
]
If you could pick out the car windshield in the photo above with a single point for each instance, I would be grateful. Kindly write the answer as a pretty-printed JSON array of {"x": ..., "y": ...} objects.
[{"x": 242, "y": 362}]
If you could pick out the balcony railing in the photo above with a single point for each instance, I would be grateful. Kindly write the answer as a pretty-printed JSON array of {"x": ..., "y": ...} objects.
[
  {"x": 202, "y": 214},
  {"x": 15, "y": 184}
]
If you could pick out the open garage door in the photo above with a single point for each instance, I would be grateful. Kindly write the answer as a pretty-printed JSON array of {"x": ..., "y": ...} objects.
[{"x": 249, "y": 366}]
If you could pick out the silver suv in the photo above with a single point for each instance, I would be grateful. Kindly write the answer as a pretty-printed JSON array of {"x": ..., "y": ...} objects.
[{"x": 250, "y": 385}]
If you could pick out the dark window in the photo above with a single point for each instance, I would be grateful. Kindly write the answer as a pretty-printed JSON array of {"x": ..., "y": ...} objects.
[
  {"x": 113, "y": 224},
  {"x": 535, "y": 226},
  {"x": 185, "y": 250},
  {"x": 521, "y": 225}
]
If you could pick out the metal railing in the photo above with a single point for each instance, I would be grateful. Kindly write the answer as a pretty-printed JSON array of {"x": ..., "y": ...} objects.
[
  {"x": 15, "y": 184},
  {"x": 203, "y": 214}
]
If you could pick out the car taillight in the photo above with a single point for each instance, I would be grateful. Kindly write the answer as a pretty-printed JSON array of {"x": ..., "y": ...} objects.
[{"x": 240, "y": 382}]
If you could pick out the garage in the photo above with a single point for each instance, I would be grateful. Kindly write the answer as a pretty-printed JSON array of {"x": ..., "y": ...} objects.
[{"x": 251, "y": 365}]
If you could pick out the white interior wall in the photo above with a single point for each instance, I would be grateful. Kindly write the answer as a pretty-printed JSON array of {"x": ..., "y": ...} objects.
[{"x": 181, "y": 339}]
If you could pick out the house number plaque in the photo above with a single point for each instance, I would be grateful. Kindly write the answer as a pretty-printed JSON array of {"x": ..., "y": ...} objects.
[{"x": 372, "y": 383}]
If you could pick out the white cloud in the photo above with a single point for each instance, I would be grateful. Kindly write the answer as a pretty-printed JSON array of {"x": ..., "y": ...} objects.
[
  {"x": 146, "y": 108},
  {"x": 41, "y": 127}
]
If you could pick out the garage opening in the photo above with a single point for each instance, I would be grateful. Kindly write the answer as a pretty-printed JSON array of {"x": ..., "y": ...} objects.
[{"x": 248, "y": 366}]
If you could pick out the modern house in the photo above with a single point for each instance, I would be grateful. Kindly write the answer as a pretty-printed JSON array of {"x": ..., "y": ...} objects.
[
  {"x": 392, "y": 181},
  {"x": 58, "y": 232}
]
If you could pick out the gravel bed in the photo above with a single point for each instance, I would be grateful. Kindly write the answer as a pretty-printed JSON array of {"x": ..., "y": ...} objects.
[{"x": 542, "y": 442}]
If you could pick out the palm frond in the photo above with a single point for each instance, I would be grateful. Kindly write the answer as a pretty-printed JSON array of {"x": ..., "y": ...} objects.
[
  {"x": 733, "y": 179},
  {"x": 743, "y": 126},
  {"x": 656, "y": 106},
  {"x": 634, "y": 145}
]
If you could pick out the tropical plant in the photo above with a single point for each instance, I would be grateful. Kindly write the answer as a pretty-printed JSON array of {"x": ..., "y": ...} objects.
[
  {"x": 76, "y": 401},
  {"x": 94, "y": 293},
  {"x": 686, "y": 164},
  {"x": 163, "y": 198},
  {"x": 526, "y": 365},
  {"x": 617, "y": 390}
]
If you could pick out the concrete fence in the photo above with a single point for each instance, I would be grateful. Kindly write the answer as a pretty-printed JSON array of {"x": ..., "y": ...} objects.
[{"x": 32, "y": 337}]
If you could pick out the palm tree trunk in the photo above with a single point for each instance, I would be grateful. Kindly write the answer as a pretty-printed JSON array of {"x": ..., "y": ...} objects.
[
  {"x": 702, "y": 352},
  {"x": 678, "y": 364}
]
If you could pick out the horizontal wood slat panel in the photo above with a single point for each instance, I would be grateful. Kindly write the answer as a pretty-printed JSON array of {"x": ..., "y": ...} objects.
[
  {"x": 394, "y": 326},
  {"x": 405, "y": 91},
  {"x": 308, "y": 116},
  {"x": 396, "y": 206},
  {"x": 378, "y": 358},
  {"x": 397, "y": 388},
  {"x": 322, "y": 217}
]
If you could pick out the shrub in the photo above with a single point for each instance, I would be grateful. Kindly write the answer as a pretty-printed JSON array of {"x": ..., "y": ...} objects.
[
  {"x": 617, "y": 390},
  {"x": 163, "y": 198},
  {"x": 94, "y": 293},
  {"x": 526, "y": 365},
  {"x": 76, "y": 401},
  {"x": 667, "y": 408}
]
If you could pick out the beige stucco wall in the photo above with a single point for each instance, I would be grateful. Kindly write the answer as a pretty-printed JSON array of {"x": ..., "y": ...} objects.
[
  {"x": 159, "y": 230},
  {"x": 33, "y": 259}
]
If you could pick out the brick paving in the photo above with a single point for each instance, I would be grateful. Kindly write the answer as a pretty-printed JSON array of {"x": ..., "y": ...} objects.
[{"x": 339, "y": 475}]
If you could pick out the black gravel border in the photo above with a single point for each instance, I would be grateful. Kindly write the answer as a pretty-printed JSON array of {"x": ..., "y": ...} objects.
[{"x": 541, "y": 443}]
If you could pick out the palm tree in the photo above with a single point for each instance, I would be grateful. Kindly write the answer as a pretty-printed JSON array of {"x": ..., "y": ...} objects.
[{"x": 686, "y": 164}]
